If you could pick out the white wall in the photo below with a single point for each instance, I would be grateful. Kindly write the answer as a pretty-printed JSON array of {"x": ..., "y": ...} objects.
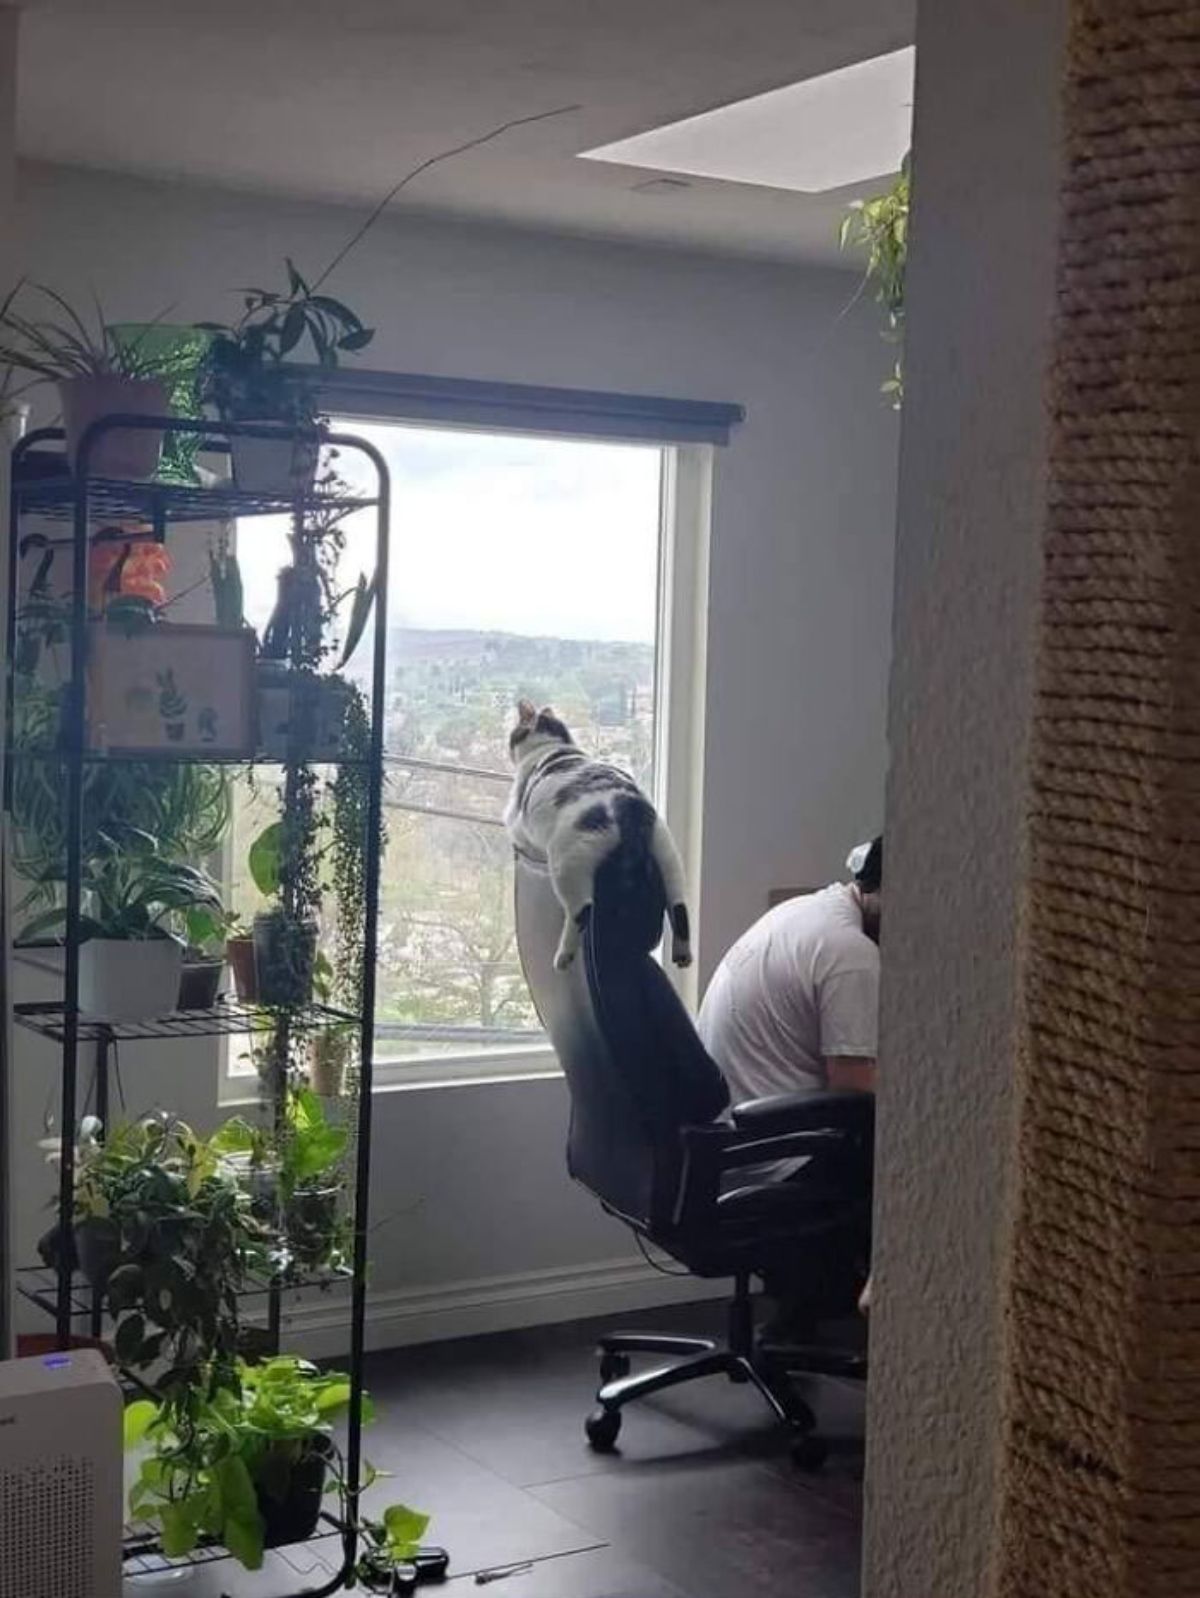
[
  {"x": 980, "y": 288},
  {"x": 799, "y": 600}
]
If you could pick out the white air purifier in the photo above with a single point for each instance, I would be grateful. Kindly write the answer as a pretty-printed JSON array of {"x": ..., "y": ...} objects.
[{"x": 60, "y": 1477}]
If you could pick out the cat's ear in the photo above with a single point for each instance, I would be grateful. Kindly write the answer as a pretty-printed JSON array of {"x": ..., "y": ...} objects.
[{"x": 526, "y": 710}]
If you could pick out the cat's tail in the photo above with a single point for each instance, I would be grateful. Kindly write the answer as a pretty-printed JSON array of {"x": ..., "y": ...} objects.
[{"x": 670, "y": 866}]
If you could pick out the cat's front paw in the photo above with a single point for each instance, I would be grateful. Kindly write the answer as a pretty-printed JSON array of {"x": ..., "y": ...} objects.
[
  {"x": 681, "y": 956},
  {"x": 564, "y": 959}
]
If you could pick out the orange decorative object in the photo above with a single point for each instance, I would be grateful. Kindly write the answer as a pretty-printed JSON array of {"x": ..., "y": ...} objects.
[{"x": 144, "y": 567}]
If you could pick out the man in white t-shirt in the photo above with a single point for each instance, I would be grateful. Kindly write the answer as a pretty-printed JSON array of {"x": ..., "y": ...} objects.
[{"x": 794, "y": 1004}]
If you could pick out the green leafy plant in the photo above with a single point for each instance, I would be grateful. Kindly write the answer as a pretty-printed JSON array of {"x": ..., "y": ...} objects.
[
  {"x": 247, "y": 374},
  {"x": 217, "y": 1471},
  {"x": 60, "y": 345},
  {"x": 310, "y": 1154},
  {"x": 225, "y": 579},
  {"x": 880, "y": 227},
  {"x": 132, "y": 892},
  {"x": 172, "y": 1237}
]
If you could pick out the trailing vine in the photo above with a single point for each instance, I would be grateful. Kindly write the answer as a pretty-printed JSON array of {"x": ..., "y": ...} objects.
[{"x": 880, "y": 226}]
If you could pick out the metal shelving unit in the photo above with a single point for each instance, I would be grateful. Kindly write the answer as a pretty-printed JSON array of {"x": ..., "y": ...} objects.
[{"x": 43, "y": 489}]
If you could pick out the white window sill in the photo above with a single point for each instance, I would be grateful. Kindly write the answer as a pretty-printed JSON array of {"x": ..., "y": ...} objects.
[{"x": 525, "y": 1065}]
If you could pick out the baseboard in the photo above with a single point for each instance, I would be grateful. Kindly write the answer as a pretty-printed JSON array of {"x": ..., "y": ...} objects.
[{"x": 398, "y": 1316}]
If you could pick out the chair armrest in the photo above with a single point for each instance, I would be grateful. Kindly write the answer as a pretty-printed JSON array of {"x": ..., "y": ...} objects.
[
  {"x": 847, "y": 1111},
  {"x": 712, "y": 1152}
]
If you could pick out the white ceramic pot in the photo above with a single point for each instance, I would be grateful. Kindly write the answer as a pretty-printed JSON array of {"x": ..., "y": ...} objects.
[
  {"x": 129, "y": 979},
  {"x": 283, "y": 466},
  {"x": 126, "y": 453}
]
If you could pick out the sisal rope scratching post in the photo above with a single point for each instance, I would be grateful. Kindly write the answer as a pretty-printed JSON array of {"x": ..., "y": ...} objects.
[{"x": 1101, "y": 1461}]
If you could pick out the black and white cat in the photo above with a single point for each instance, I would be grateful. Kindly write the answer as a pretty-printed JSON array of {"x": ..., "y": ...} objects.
[{"x": 572, "y": 812}]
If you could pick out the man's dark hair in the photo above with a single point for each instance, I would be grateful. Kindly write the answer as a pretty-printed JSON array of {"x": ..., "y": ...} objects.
[{"x": 869, "y": 875}]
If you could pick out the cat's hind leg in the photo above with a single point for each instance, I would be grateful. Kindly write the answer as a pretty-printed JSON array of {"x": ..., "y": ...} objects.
[
  {"x": 675, "y": 887},
  {"x": 572, "y": 875}
]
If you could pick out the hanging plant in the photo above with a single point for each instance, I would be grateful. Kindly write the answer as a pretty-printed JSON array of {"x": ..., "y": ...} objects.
[{"x": 880, "y": 227}]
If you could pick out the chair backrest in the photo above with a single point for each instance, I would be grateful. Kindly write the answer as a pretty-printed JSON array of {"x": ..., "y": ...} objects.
[{"x": 635, "y": 1068}]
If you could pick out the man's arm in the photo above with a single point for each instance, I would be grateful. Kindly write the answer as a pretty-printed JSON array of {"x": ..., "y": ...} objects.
[{"x": 850, "y": 1073}]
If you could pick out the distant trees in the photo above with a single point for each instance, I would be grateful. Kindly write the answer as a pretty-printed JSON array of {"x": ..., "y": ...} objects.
[{"x": 448, "y": 953}]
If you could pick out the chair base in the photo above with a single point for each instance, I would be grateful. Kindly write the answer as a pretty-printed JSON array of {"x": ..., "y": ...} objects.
[{"x": 766, "y": 1369}]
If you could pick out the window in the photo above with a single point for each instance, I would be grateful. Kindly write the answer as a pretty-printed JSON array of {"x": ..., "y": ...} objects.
[{"x": 520, "y": 565}]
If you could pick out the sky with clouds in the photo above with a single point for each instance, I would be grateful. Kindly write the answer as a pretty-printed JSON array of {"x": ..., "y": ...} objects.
[{"x": 545, "y": 537}]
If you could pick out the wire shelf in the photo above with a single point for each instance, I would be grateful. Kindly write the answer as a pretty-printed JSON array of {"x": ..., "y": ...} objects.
[
  {"x": 227, "y": 1018},
  {"x": 49, "y": 756},
  {"x": 113, "y": 500},
  {"x": 38, "y": 1285},
  {"x": 143, "y": 1555}
]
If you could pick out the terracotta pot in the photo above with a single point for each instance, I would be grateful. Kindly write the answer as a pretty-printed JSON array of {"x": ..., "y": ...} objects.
[
  {"x": 239, "y": 951},
  {"x": 127, "y": 453}
]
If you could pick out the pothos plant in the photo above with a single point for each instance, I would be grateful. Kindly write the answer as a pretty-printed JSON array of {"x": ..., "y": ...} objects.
[
  {"x": 226, "y": 1469},
  {"x": 880, "y": 227}
]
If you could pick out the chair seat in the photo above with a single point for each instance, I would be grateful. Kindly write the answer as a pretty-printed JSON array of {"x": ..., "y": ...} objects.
[
  {"x": 790, "y": 1202},
  {"x": 763, "y": 1226}
]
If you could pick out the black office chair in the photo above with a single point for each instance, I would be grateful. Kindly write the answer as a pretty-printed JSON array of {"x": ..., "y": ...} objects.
[{"x": 647, "y": 1139}]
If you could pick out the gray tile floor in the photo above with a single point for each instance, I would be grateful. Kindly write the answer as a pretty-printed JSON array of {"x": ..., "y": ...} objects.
[{"x": 702, "y": 1501}]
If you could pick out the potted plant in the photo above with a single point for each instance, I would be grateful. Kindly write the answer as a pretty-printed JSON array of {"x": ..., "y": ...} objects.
[
  {"x": 97, "y": 373},
  {"x": 309, "y": 1183},
  {"x": 248, "y": 377},
  {"x": 247, "y": 1467},
  {"x": 299, "y": 702},
  {"x": 239, "y": 951},
  {"x": 328, "y": 1059},
  {"x": 285, "y": 945},
  {"x": 129, "y": 962},
  {"x": 166, "y": 1231},
  {"x": 204, "y": 957}
]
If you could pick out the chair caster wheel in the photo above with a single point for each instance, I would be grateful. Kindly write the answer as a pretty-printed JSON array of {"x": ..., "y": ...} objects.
[
  {"x": 809, "y": 1452},
  {"x": 613, "y": 1367},
  {"x": 602, "y": 1427}
]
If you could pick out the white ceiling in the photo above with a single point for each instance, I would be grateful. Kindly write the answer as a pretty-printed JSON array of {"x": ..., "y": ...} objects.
[{"x": 337, "y": 99}]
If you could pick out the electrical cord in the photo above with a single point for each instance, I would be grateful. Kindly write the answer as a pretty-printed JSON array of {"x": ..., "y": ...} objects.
[{"x": 657, "y": 1265}]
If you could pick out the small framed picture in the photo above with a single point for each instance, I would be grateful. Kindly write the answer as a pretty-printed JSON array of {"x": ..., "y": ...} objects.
[{"x": 171, "y": 689}]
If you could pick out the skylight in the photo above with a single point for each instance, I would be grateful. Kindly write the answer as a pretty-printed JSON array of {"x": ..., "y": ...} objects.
[{"x": 841, "y": 128}]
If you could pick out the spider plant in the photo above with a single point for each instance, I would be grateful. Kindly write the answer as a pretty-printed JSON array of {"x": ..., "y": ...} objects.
[{"x": 59, "y": 344}]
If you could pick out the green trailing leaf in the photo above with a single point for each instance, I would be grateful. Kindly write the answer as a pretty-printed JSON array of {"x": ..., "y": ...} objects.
[
  {"x": 264, "y": 859},
  {"x": 138, "y": 1416},
  {"x": 178, "y": 1529},
  {"x": 879, "y": 227},
  {"x": 225, "y": 579},
  {"x": 360, "y": 613},
  {"x": 241, "y": 1521},
  {"x": 404, "y": 1528}
]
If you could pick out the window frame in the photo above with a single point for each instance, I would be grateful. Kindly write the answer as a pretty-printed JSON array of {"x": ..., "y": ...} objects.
[{"x": 685, "y": 513}]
